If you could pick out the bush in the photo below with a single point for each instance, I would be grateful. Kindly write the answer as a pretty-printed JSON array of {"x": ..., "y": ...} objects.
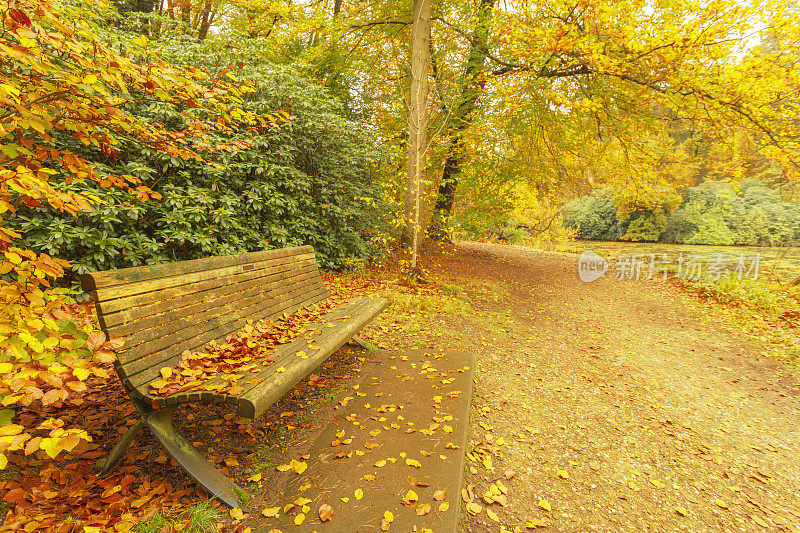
[
  {"x": 306, "y": 182},
  {"x": 594, "y": 216},
  {"x": 714, "y": 213}
]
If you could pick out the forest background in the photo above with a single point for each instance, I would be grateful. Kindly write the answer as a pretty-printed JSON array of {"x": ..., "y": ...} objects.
[{"x": 139, "y": 131}]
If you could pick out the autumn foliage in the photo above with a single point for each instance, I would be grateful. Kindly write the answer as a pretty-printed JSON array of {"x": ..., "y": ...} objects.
[{"x": 61, "y": 86}]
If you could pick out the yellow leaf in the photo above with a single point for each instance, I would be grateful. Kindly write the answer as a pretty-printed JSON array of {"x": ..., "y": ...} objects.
[
  {"x": 544, "y": 504},
  {"x": 166, "y": 372},
  {"x": 423, "y": 509},
  {"x": 562, "y": 474},
  {"x": 299, "y": 519},
  {"x": 444, "y": 506},
  {"x": 50, "y": 446},
  {"x": 5, "y": 368},
  {"x": 30, "y": 43},
  {"x": 92, "y": 529},
  {"x": 359, "y": 494},
  {"x": 90, "y": 79},
  {"x": 81, "y": 373},
  {"x": 369, "y": 477},
  {"x": 380, "y": 463},
  {"x": 534, "y": 523},
  {"x": 414, "y": 463},
  {"x": 298, "y": 466},
  {"x": 255, "y": 477},
  {"x": 281, "y": 370},
  {"x": 236, "y": 513},
  {"x": 411, "y": 496},
  {"x": 388, "y": 516},
  {"x": 345, "y": 499},
  {"x": 302, "y": 501},
  {"x": 492, "y": 515},
  {"x": 721, "y": 503},
  {"x": 474, "y": 508},
  {"x": 681, "y": 511},
  {"x": 271, "y": 512}
]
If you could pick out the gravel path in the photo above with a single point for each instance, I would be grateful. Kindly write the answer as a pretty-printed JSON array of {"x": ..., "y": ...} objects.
[{"x": 618, "y": 409}]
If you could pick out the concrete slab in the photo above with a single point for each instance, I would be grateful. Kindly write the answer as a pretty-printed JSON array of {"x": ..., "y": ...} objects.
[{"x": 401, "y": 426}]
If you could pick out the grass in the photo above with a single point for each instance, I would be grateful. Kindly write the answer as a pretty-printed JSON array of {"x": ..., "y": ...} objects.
[{"x": 198, "y": 518}]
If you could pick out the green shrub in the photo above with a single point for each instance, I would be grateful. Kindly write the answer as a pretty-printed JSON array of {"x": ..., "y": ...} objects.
[{"x": 306, "y": 182}]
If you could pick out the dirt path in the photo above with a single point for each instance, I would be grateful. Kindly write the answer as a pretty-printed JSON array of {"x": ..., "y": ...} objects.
[{"x": 619, "y": 409}]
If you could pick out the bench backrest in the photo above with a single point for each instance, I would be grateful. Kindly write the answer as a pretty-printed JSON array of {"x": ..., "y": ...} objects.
[{"x": 162, "y": 310}]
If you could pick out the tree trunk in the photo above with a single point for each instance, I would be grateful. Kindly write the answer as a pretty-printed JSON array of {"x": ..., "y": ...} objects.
[
  {"x": 417, "y": 126},
  {"x": 206, "y": 21},
  {"x": 473, "y": 85}
]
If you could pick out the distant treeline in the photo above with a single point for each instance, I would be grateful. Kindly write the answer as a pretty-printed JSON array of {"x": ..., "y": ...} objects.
[{"x": 712, "y": 213}]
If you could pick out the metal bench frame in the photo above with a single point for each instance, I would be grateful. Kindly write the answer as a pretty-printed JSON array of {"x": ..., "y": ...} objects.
[{"x": 163, "y": 310}]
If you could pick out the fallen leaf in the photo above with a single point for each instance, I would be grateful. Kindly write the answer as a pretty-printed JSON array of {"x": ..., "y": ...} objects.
[
  {"x": 474, "y": 508},
  {"x": 359, "y": 494},
  {"x": 271, "y": 512},
  {"x": 544, "y": 504},
  {"x": 325, "y": 512},
  {"x": 386, "y": 521},
  {"x": 721, "y": 503},
  {"x": 439, "y": 495},
  {"x": 299, "y": 519},
  {"x": 444, "y": 506},
  {"x": 423, "y": 509}
]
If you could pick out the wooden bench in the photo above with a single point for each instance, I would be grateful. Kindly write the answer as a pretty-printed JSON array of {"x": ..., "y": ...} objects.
[{"x": 163, "y": 310}]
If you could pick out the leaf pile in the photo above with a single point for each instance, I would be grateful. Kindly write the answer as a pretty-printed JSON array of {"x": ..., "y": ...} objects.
[{"x": 242, "y": 353}]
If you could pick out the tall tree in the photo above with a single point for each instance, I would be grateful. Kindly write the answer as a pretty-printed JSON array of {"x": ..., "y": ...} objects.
[
  {"x": 417, "y": 126},
  {"x": 472, "y": 86}
]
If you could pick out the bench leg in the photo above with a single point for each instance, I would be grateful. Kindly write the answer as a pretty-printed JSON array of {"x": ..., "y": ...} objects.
[
  {"x": 214, "y": 481},
  {"x": 358, "y": 340},
  {"x": 119, "y": 449}
]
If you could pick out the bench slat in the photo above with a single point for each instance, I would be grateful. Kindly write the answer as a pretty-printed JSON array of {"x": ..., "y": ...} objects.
[
  {"x": 108, "y": 278},
  {"x": 138, "y": 306},
  {"x": 152, "y": 326},
  {"x": 143, "y": 288},
  {"x": 179, "y": 330},
  {"x": 147, "y": 366}
]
